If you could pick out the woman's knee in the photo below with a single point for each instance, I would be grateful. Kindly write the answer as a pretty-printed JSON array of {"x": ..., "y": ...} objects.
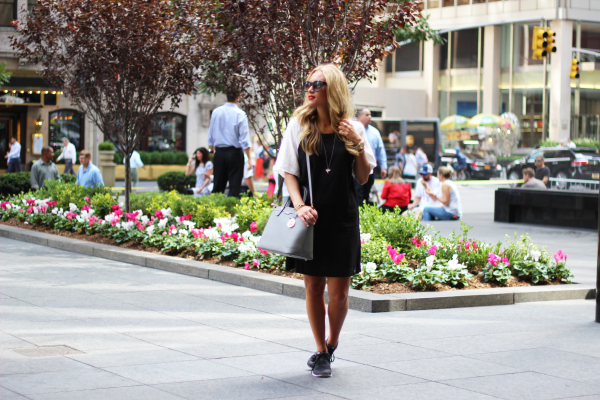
[
  {"x": 337, "y": 295},
  {"x": 314, "y": 286}
]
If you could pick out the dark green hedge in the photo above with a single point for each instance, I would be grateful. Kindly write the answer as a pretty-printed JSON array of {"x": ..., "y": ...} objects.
[
  {"x": 158, "y": 158},
  {"x": 15, "y": 183},
  {"x": 176, "y": 180}
]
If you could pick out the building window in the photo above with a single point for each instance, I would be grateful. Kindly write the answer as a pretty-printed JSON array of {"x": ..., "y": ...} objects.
[
  {"x": 66, "y": 124},
  {"x": 8, "y": 12},
  {"x": 167, "y": 133},
  {"x": 590, "y": 37},
  {"x": 464, "y": 49},
  {"x": 31, "y": 4},
  {"x": 408, "y": 57},
  {"x": 433, "y": 4},
  {"x": 448, "y": 3}
]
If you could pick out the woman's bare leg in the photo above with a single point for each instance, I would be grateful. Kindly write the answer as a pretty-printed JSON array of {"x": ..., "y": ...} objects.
[
  {"x": 337, "y": 288},
  {"x": 315, "y": 308}
]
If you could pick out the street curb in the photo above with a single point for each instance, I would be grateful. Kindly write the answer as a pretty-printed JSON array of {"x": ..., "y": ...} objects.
[{"x": 359, "y": 300}]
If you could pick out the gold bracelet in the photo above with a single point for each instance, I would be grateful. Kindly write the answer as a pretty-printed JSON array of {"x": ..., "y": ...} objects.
[{"x": 299, "y": 206}]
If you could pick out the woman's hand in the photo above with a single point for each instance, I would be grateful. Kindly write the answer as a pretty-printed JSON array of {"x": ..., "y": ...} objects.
[
  {"x": 346, "y": 130},
  {"x": 307, "y": 215},
  {"x": 430, "y": 193}
]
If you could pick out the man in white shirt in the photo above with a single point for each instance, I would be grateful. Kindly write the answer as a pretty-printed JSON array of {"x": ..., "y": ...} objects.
[
  {"x": 570, "y": 144},
  {"x": 13, "y": 158},
  {"x": 69, "y": 154},
  {"x": 422, "y": 199},
  {"x": 134, "y": 162}
]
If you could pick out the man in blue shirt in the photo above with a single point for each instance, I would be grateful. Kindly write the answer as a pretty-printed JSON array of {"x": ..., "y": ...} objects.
[
  {"x": 374, "y": 138},
  {"x": 14, "y": 157},
  {"x": 88, "y": 175},
  {"x": 461, "y": 161},
  {"x": 229, "y": 138}
]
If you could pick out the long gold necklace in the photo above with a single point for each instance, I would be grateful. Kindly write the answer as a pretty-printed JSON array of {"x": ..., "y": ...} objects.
[{"x": 328, "y": 170}]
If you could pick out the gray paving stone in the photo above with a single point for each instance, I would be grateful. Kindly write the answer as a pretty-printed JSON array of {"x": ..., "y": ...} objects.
[
  {"x": 153, "y": 374},
  {"x": 11, "y": 342},
  {"x": 121, "y": 393},
  {"x": 6, "y": 394},
  {"x": 549, "y": 361},
  {"x": 387, "y": 352},
  {"x": 244, "y": 388},
  {"x": 85, "y": 341},
  {"x": 130, "y": 356},
  {"x": 15, "y": 363},
  {"x": 61, "y": 381},
  {"x": 418, "y": 391},
  {"x": 525, "y": 386},
  {"x": 444, "y": 368},
  {"x": 18, "y": 310},
  {"x": 231, "y": 345}
]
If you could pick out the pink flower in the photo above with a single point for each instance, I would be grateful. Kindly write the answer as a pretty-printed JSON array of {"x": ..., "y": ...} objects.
[
  {"x": 3, "y": 204},
  {"x": 246, "y": 266},
  {"x": 87, "y": 199},
  {"x": 235, "y": 236},
  {"x": 559, "y": 256},
  {"x": 172, "y": 230},
  {"x": 197, "y": 233},
  {"x": 432, "y": 250},
  {"x": 132, "y": 216},
  {"x": 70, "y": 215},
  {"x": 30, "y": 210},
  {"x": 92, "y": 220},
  {"x": 44, "y": 209},
  {"x": 158, "y": 214},
  {"x": 223, "y": 239},
  {"x": 253, "y": 227},
  {"x": 398, "y": 258},
  {"x": 416, "y": 241},
  {"x": 115, "y": 207},
  {"x": 30, "y": 202},
  {"x": 493, "y": 259},
  {"x": 256, "y": 262},
  {"x": 86, "y": 208},
  {"x": 51, "y": 203},
  {"x": 164, "y": 233},
  {"x": 118, "y": 213},
  {"x": 263, "y": 251}
]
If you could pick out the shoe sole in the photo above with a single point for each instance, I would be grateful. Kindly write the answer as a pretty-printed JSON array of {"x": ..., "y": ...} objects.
[{"x": 322, "y": 375}]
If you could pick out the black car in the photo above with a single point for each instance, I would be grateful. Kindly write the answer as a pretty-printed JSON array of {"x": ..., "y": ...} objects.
[
  {"x": 563, "y": 162},
  {"x": 477, "y": 166}
]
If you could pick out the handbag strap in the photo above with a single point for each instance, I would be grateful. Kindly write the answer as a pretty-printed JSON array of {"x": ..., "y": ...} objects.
[{"x": 312, "y": 204}]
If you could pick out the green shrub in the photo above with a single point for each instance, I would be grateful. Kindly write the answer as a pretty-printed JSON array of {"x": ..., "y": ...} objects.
[
  {"x": 203, "y": 214},
  {"x": 176, "y": 180},
  {"x": 168, "y": 158},
  {"x": 251, "y": 209},
  {"x": 163, "y": 200},
  {"x": 181, "y": 158},
  {"x": 141, "y": 201},
  {"x": 66, "y": 193},
  {"x": 374, "y": 250},
  {"x": 15, "y": 183},
  {"x": 218, "y": 200},
  {"x": 118, "y": 158},
  {"x": 145, "y": 157},
  {"x": 102, "y": 203},
  {"x": 68, "y": 178},
  {"x": 595, "y": 144},
  {"x": 106, "y": 146}
]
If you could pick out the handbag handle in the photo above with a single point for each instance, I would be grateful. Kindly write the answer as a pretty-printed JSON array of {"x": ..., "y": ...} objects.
[{"x": 289, "y": 200}]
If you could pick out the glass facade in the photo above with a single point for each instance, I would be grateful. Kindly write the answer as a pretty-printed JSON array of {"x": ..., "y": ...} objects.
[
  {"x": 8, "y": 12},
  {"x": 167, "y": 132},
  {"x": 69, "y": 124}
]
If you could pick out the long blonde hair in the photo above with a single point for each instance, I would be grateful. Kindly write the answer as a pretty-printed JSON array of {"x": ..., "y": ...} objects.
[
  {"x": 395, "y": 175},
  {"x": 339, "y": 102}
]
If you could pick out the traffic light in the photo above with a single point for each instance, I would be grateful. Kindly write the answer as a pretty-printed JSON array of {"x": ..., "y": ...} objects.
[
  {"x": 550, "y": 37},
  {"x": 538, "y": 44},
  {"x": 574, "y": 74}
]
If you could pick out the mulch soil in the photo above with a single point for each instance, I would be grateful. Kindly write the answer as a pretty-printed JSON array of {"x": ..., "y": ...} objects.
[{"x": 381, "y": 286}]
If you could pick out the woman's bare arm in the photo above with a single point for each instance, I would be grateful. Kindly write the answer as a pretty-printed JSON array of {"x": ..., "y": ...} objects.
[{"x": 307, "y": 214}]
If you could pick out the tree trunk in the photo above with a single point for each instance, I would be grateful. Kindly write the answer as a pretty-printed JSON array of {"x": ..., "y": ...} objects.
[{"x": 127, "y": 180}]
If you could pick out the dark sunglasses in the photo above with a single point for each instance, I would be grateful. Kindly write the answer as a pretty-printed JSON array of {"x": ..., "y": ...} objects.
[
  {"x": 316, "y": 85},
  {"x": 538, "y": 160}
]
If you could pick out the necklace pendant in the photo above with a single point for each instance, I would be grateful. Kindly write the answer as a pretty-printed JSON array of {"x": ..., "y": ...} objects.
[{"x": 328, "y": 170}]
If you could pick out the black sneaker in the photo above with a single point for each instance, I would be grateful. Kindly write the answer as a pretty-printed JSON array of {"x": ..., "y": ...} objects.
[
  {"x": 313, "y": 358},
  {"x": 322, "y": 368}
]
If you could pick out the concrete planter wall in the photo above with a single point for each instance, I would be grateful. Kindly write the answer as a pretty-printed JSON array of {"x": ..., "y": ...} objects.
[{"x": 107, "y": 166}]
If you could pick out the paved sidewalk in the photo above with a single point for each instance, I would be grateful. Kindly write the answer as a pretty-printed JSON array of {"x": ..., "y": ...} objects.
[{"x": 149, "y": 334}]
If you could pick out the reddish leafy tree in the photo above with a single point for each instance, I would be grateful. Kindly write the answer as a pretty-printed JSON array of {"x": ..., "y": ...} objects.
[
  {"x": 116, "y": 60},
  {"x": 267, "y": 48}
]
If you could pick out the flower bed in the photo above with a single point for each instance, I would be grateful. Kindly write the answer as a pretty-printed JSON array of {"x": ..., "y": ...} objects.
[{"x": 398, "y": 254}]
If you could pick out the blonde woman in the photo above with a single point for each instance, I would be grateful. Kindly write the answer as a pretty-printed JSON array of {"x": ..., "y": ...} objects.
[
  {"x": 451, "y": 208},
  {"x": 339, "y": 151}
]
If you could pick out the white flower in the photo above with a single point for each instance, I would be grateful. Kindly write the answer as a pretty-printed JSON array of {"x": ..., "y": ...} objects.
[
  {"x": 246, "y": 235},
  {"x": 535, "y": 254},
  {"x": 454, "y": 264},
  {"x": 189, "y": 224},
  {"x": 212, "y": 234},
  {"x": 365, "y": 237},
  {"x": 55, "y": 211},
  {"x": 150, "y": 230},
  {"x": 145, "y": 220},
  {"x": 36, "y": 210},
  {"x": 121, "y": 204},
  {"x": 429, "y": 261},
  {"x": 428, "y": 239},
  {"x": 166, "y": 212},
  {"x": 127, "y": 225},
  {"x": 246, "y": 247},
  {"x": 254, "y": 239},
  {"x": 371, "y": 266},
  {"x": 162, "y": 223},
  {"x": 80, "y": 219},
  {"x": 73, "y": 207},
  {"x": 139, "y": 214},
  {"x": 183, "y": 232},
  {"x": 8, "y": 206}
]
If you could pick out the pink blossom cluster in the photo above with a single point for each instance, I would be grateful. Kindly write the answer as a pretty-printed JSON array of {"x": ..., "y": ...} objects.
[
  {"x": 254, "y": 261},
  {"x": 132, "y": 216},
  {"x": 234, "y": 235},
  {"x": 560, "y": 256},
  {"x": 70, "y": 215},
  {"x": 4, "y": 204},
  {"x": 253, "y": 227},
  {"x": 432, "y": 250},
  {"x": 198, "y": 233},
  {"x": 30, "y": 202},
  {"x": 86, "y": 208},
  {"x": 418, "y": 242},
  {"x": 394, "y": 255},
  {"x": 494, "y": 259},
  {"x": 469, "y": 246},
  {"x": 92, "y": 219},
  {"x": 184, "y": 217}
]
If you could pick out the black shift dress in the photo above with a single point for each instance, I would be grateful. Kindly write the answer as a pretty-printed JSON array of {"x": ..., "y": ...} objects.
[{"x": 337, "y": 231}]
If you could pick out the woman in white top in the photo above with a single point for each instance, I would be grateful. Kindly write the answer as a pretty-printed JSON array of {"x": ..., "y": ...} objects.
[
  {"x": 410, "y": 167},
  {"x": 451, "y": 208},
  {"x": 200, "y": 163}
]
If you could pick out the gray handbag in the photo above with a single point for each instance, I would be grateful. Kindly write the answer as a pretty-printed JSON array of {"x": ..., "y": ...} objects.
[{"x": 285, "y": 233}]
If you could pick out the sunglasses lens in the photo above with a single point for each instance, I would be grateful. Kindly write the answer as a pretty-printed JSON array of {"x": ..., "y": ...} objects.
[{"x": 307, "y": 86}]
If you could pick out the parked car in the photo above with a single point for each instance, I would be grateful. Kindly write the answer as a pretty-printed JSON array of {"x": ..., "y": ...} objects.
[
  {"x": 563, "y": 162},
  {"x": 477, "y": 166}
]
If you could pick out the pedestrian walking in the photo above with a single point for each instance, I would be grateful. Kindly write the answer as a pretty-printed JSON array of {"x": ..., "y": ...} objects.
[
  {"x": 421, "y": 158},
  {"x": 229, "y": 138},
  {"x": 135, "y": 161},
  {"x": 376, "y": 143},
  {"x": 13, "y": 158},
  {"x": 44, "y": 169},
  {"x": 200, "y": 164},
  {"x": 401, "y": 158},
  {"x": 410, "y": 166},
  {"x": 69, "y": 154},
  {"x": 88, "y": 174},
  {"x": 338, "y": 149}
]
